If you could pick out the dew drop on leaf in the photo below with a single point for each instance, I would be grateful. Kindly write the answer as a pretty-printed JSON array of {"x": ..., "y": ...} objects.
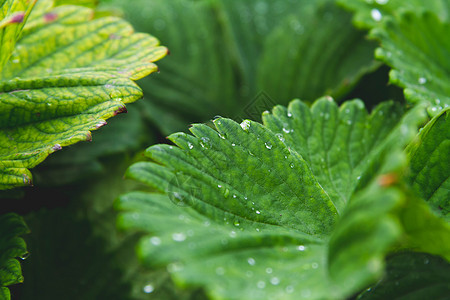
[
  {"x": 190, "y": 145},
  {"x": 155, "y": 241},
  {"x": 376, "y": 14},
  {"x": 275, "y": 280},
  {"x": 205, "y": 142},
  {"x": 245, "y": 125},
  {"x": 422, "y": 80},
  {"x": 268, "y": 145},
  {"x": 251, "y": 261},
  {"x": 179, "y": 237},
  {"x": 289, "y": 289},
  {"x": 148, "y": 288},
  {"x": 261, "y": 284},
  {"x": 269, "y": 270}
]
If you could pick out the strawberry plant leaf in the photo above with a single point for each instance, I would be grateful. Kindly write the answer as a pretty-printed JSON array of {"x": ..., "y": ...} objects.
[
  {"x": 12, "y": 247},
  {"x": 324, "y": 59},
  {"x": 416, "y": 47},
  {"x": 79, "y": 73},
  {"x": 229, "y": 57},
  {"x": 412, "y": 276},
  {"x": 248, "y": 215},
  {"x": 429, "y": 163},
  {"x": 370, "y": 13}
]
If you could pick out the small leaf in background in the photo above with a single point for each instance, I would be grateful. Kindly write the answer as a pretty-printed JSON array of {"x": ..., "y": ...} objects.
[
  {"x": 429, "y": 163},
  {"x": 416, "y": 46},
  {"x": 370, "y": 13},
  {"x": 67, "y": 74},
  {"x": 233, "y": 50},
  {"x": 412, "y": 276},
  {"x": 256, "y": 213},
  {"x": 12, "y": 248}
]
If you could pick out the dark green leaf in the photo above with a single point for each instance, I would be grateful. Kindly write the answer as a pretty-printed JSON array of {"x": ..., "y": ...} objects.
[
  {"x": 430, "y": 163},
  {"x": 416, "y": 46},
  {"x": 412, "y": 276},
  {"x": 12, "y": 247},
  {"x": 248, "y": 215}
]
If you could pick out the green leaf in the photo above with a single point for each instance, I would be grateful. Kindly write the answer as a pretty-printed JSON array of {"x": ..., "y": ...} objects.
[
  {"x": 253, "y": 214},
  {"x": 11, "y": 247},
  {"x": 416, "y": 47},
  {"x": 13, "y": 15},
  {"x": 318, "y": 52},
  {"x": 232, "y": 50},
  {"x": 81, "y": 237},
  {"x": 67, "y": 74},
  {"x": 370, "y": 13},
  {"x": 412, "y": 276},
  {"x": 429, "y": 161}
]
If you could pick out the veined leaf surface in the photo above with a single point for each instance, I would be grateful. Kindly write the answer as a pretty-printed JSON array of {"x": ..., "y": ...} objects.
[
  {"x": 12, "y": 246},
  {"x": 66, "y": 75},
  {"x": 266, "y": 212},
  {"x": 416, "y": 46},
  {"x": 429, "y": 161}
]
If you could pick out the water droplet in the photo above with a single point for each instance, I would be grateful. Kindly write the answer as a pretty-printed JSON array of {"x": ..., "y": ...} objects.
[
  {"x": 274, "y": 280},
  {"x": 301, "y": 248},
  {"x": 349, "y": 122},
  {"x": 286, "y": 130},
  {"x": 220, "y": 271},
  {"x": 155, "y": 240},
  {"x": 57, "y": 147},
  {"x": 269, "y": 270},
  {"x": 422, "y": 80},
  {"x": 190, "y": 145},
  {"x": 251, "y": 261},
  {"x": 179, "y": 237},
  {"x": 280, "y": 137},
  {"x": 221, "y": 136},
  {"x": 219, "y": 186},
  {"x": 24, "y": 256},
  {"x": 236, "y": 223},
  {"x": 376, "y": 14},
  {"x": 245, "y": 125},
  {"x": 289, "y": 289},
  {"x": 261, "y": 284},
  {"x": 268, "y": 145},
  {"x": 358, "y": 178},
  {"x": 175, "y": 267},
  {"x": 206, "y": 223},
  {"x": 249, "y": 273},
  {"x": 205, "y": 142},
  {"x": 233, "y": 144},
  {"x": 16, "y": 61},
  {"x": 291, "y": 165},
  {"x": 382, "y": 2},
  {"x": 289, "y": 114},
  {"x": 314, "y": 265},
  {"x": 258, "y": 212},
  {"x": 148, "y": 289},
  {"x": 233, "y": 234},
  {"x": 234, "y": 196}
]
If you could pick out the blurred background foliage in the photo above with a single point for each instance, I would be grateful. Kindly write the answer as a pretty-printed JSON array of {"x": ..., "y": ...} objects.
[{"x": 231, "y": 58}]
